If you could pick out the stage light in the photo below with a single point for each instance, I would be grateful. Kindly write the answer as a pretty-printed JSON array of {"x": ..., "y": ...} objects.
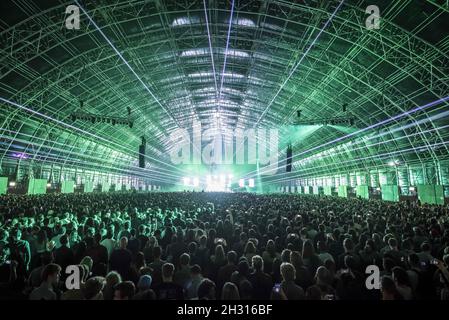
[
  {"x": 222, "y": 178},
  {"x": 230, "y": 177},
  {"x": 241, "y": 183},
  {"x": 20, "y": 155},
  {"x": 208, "y": 178},
  {"x": 196, "y": 182},
  {"x": 186, "y": 181},
  {"x": 412, "y": 188},
  {"x": 393, "y": 163},
  {"x": 251, "y": 183},
  {"x": 48, "y": 185},
  {"x": 378, "y": 189},
  {"x": 12, "y": 184}
]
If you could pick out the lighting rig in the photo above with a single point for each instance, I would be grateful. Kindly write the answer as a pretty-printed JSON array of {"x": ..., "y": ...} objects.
[
  {"x": 333, "y": 121},
  {"x": 94, "y": 118}
]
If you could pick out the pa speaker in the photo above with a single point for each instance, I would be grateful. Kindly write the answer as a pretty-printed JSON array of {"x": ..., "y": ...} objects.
[
  {"x": 288, "y": 167},
  {"x": 142, "y": 156}
]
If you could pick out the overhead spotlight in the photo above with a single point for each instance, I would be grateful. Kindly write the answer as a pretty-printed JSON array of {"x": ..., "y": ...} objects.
[
  {"x": 393, "y": 163},
  {"x": 345, "y": 107},
  {"x": 48, "y": 185},
  {"x": 251, "y": 183},
  {"x": 12, "y": 184},
  {"x": 241, "y": 183}
]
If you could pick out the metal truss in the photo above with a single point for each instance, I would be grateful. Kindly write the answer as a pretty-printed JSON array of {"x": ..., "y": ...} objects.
[{"x": 378, "y": 73}]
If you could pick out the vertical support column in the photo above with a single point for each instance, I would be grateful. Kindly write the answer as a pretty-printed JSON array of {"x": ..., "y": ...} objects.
[
  {"x": 353, "y": 179},
  {"x": 444, "y": 171},
  {"x": 403, "y": 179},
  {"x": 424, "y": 174},
  {"x": 438, "y": 169}
]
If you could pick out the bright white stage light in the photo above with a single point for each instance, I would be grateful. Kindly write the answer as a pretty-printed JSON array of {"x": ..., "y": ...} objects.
[
  {"x": 196, "y": 182},
  {"x": 251, "y": 183},
  {"x": 186, "y": 181},
  {"x": 241, "y": 183}
]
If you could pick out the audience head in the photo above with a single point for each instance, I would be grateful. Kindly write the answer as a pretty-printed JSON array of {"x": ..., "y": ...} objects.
[
  {"x": 184, "y": 260},
  {"x": 144, "y": 283},
  {"x": 124, "y": 290},
  {"x": 230, "y": 292},
  {"x": 206, "y": 290},
  {"x": 313, "y": 293},
  {"x": 288, "y": 271},
  {"x": 93, "y": 288},
  {"x": 51, "y": 274},
  {"x": 123, "y": 242},
  {"x": 195, "y": 270},
  {"x": 168, "y": 270},
  {"x": 389, "y": 290},
  {"x": 231, "y": 257},
  {"x": 257, "y": 263}
]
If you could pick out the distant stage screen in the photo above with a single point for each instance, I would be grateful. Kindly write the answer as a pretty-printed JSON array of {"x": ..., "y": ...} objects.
[
  {"x": 390, "y": 193},
  {"x": 68, "y": 186},
  {"x": 37, "y": 186},
  {"x": 3, "y": 185}
]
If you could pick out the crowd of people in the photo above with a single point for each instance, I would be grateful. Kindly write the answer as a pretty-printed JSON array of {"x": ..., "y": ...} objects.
[{"x": 224, "y": 246}]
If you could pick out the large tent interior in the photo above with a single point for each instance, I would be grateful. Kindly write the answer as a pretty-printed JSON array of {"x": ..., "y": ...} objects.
[{"x": 305, "y": 96}]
